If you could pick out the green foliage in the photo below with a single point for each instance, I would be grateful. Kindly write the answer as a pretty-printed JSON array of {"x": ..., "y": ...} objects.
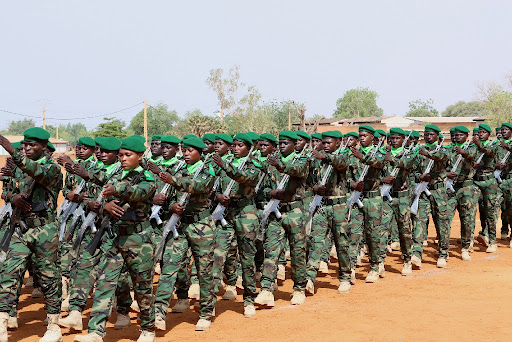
[
  {"x": 197, "y": 123},
  {"x": 358, "y": 103},
  {"x": 498, "y": 102},
  {"x": 461, "y": 108},
  {"x": 160, "y": 120},
  {"x": 422, "y": 108},
  {"x": 112, "y": 128},
  {"x": 72, "y": 131},
  {"x": 19, "y": 126}
]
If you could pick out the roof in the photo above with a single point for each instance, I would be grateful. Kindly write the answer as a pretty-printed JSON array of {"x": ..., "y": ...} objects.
[
  {"x": 16, "y": 138},
  {"x": 450, "y": 119}
]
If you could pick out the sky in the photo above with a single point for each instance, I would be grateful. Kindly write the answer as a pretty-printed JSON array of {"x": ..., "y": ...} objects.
[{"x": 89, "y": 58}]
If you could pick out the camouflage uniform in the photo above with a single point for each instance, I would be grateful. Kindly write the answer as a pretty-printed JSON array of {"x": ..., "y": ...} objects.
[
  {"x": 196, "y": 231},
  {"x": 290, "y": 227},
  {"x": 506, "y": 185},
  {"x": 132, "y": 245},
  {"x": 40, "y": 239}
]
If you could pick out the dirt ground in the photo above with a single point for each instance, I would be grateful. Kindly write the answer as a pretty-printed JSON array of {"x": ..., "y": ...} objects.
[{"x": 466, "y": 301}]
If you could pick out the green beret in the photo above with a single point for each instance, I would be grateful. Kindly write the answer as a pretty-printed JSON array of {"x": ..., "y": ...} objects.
[
  {"x": 194, "y": 142},
  {"x": 269, "y": 137},
  {"x": 352, "y": 134},
  {"x": 506, "y": 124},
  {"x": 50, "y": 147},
  {"x": 461, "y": 129},
  {"x": 432, "y": 128},
  {"x": 368, "y": 129},
  {"x": 253, "y": 136},
  {"x": 16, "y": 145},
  {"x": 157, "y": 137},
  {"x": 415, "y": 134},
  {"x": 140, "y": 137},
  {"x": 476, "y": 129},
  {"x": 86, "y": 141},
  {"x": 110, "y": 143},
  {"x": 188, "y": 136},
  {"x": 397, "y": 130},
  {"x": 498, "y": 128},
  {"x": 133, "y": 143},
  {"x": 452, "y": 130},
  {"x": 288, "y": 135},
  {"x": 316, "y": 135},
  {"x": 169, "y": 139},
  {"x": 303, "y": 134},
  {"x": 224, "y": 137},
  {"x": 407, "y": 132},
  {"x": 486, "y": 127},
  {"x": 36, "y": 134},
  {"x": 381, "y": 132},
  {"x": 244, "y": 137},
  {"x": 209, "y": 137},
  {"x": 332, "y": 134}
]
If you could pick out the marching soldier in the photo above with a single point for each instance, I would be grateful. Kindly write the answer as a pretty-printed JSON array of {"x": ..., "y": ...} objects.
[{"x": 506, "y": 170}]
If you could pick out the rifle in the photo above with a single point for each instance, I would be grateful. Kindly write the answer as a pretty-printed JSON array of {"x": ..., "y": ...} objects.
[
  {"x": 155, "y": 209},
  {"x": 497, "y": 173},
  {"x": 385, "y": 190},
  {"x": 317, "y": 200},
  {"x": 6, "y": 209},
  {"x": 356, "y": 195},
  {"x": 273, "y": 205},
  {"x": 91, "y": 217},
  {"x": 218, "y": 213},
  {"x": 448, "y": 181},
  {"x": 423, "y": 186},
  {"x": 217, "y": 182},
  {"x": 105, "y": 222},
  {"x": 172, "y": 224}
]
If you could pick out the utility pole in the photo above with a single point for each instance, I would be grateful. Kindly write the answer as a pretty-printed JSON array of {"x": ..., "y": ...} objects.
[
  {"x": 289, "y": 118},
  {"x": 146, "y": 121},
  {"x": 44, "y": 119},
  {"x": 57, "y": 133}
]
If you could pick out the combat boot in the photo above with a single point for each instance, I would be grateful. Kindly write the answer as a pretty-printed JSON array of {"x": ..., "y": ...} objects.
[
  {"x": 229, "y": 293},
  {"x": 239, "y": 283},
  {"x": 353, "y": 276},
  {"x": 4, "y": 317},
  {"x": 344, "y": 287},
  {"x": 324, "y": 268},
  {"x": 249, "y": 311},
  {"x": 123, "y": 321},
  {"x": 73, "y": 321},
  {"x": 465, "y": 255},
  {"x": 203, "y": 324},
  {"x": 407, "y": 268},
  {"x": 441, "y": 263},
  {"x": 193, "y": 291},
  {"x": 160, "y": 324},
  {"x": 182, "y": 305},
  {"x": 265, "y": 299},
  {"x": 493, "y": 248},
  {"x": 135, "y": 306},
  {"x": 281, "y": 272},
  {"x": 395, "y": 245},
  {"x": 92, "y": 337},
  {"x": 310, "y": 287},
  {"x": 53, "y": 333},
  {"x": 382, "y": 270},
  {"x": 416, "y": 262},
  {"x": 372, "y": 277},
  {"x": 12, "y": 323},
  {"x": 146, "y": 336},
  {"x": 298, "y": 298},
  {"x": 484, "y": 240}
]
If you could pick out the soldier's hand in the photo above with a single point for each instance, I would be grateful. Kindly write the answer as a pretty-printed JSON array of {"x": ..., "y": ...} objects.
[
  {"x": 159, "y": 199},
  {"x": 165, "y": 177},
  {"x": 153, "y": 168},
  {"x": 388, "y": 148},
  {"x": 6, "y": 144},
  {"x": 357, "y": 186},
  {"x": 108, "y": 190},
  {"x": 423, "y": 152},
  {"x": 425, "y": 177},
  {"x": 80, "y": 171},
  {"x": 320, "y": 155},
  {"x": 115, "y": 210},
  {"x": 9, "y": 163},
  {"x": 476, "y": 165},
  {"x": 389, "y": 180},
  {"x": 476, "y": 140},
  {"x": 69, "y": 167},
  {"x": 218, "y": 159},
  {"x": 356, "y": 153},
  {"x": 223, "y": 199},
  {"x": 177, "y": 208},
  {"x": 499, "y": 166},
  {"x": 277, "y": 194},
  {"x": 459, "y": 150},
  {"x": 320, "y": 190},
  {"x": 272, "y": 161},
  {"x": 21, "y": 203},
  {"x": 63, "y": 159},
  {"x": 451, "y": 175},
  {"x": 70, "y": 196},
  {"x": 388, "y": 157},
  {"x": 78, "y": 198},
  {"x": 94, "y": 206}
]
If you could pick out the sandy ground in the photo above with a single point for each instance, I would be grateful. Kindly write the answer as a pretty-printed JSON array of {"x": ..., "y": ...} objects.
[{"x": 466, "y": 301}]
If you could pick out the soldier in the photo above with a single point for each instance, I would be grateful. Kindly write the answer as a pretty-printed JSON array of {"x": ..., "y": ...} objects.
[
  {"x": 303, "y": 140},
  {"x": 156, "y": 149},
  {"x": 290, "y": 227},
  {"x": 506, "y": 170},
  {"x": 35, "y": 232},
  {"x": 209, "y": 141},
  {"x": 316, "y": 141},
  {"x": 504, "y": 217},
  {"x": 241, "y": 217},
  {"x": 128, "y": 197}
]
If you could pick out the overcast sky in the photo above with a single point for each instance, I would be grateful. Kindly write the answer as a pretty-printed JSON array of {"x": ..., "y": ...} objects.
[{"x": 83, "y": 58}]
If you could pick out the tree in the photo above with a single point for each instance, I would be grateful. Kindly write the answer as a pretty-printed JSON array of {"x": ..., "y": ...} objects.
[
  {"x": 358, "y": 103},
  {"x": 461, "y": 108},
  {"x": 72, "y": 131},
  {"x": 161, "y": 120},
  {"x": 19, "y": 126},
  {"x": 112, "y": 128},
  {"x": 498, "y": 102},
  {"x": 422, "y": 108},
  {"x": 197, "y": 123}
]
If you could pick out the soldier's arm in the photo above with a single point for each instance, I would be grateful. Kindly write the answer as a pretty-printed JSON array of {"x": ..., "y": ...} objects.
[
  {"x": 202, "y": 184},
  {"x": 46, "y": 175},
  {"x": 441, "y": 155},
  {"x": 376, "y": 161},
  {"x": 299, "y": 168},
  {"x": 339, "y": 162},
  {"x": 489, "y": 149},
  {"x": 249, "y": 175},
  {"x": 139, "y": 192}
]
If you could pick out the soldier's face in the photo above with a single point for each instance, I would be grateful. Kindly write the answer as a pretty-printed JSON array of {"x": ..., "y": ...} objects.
[
  {"x": 87, "y": 151},
  {"x": 396, "y": 140},
  {"x": 156, "y": 147},
  {"x": 483, "y": 134},
  {"x": 431, "y": 137},
  {"x": 97, "y": 152},
  {"x": 209, "y": 147},
  {"x": 506, "y": 132},
  {"x": 221, "y": 147},
  {"x": 239, "y": 149},
  {"x": 330, "y": 144},
  {"x": 108, "y": 157},
  {"x": 352, "y": 142},
  {"x": 22, "y": 149},
  {"x": 286, "y": 147},
  {"x": 365, "y": 138},
  {"x": 498, "y": 134},
  {"x": 34, "y": 150},
  {"x": 460, "y": 137},
  {"x": 266, "y": 148},
  {"x": 169, "y": 151},
  {"x": 191, "y": 155},
  {"x": 299, "y": 145},
  {"x": 129, "y": 159},
  {"x": 317, "y": 143}
]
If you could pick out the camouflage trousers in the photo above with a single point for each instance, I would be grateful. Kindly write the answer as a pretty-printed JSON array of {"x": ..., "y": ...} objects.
[
  {"x": 488, "y": 205},
  {"x": 240, "y": 232},
  {"x": 437, "y": 205},
  {"x": 67, "y": 256},
  {"x": 329, "y": 222},
  {"x": 506, "y": 187},
  {"x": 467, "y": 197},
  {"x": 387, "y": 218},
  {"x": 290, "y": 227},
  {"x": 401, "y": 217},
  {"x": 368, "y": 221},
  {"x": 199, "y": 236},
  {"x": 135, "y": 248},
  {"x": 42, "y": 242}
]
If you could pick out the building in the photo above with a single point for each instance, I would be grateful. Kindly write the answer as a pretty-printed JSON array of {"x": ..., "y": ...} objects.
[{"x": 60, "y": 145}]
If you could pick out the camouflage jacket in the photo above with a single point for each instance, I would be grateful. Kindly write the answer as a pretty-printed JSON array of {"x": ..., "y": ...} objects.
[
  {"x": 508, "y": 163},
  {"x": 245, "y": 179},
  {"x": 465, "y": 170},
  {"x": 71, "y": 181},
  {"x": 171, "y": 167},
  {"x": 98, "y": 176},
  {"x": 337, "y": 181},
  {"x": 438, "y": 171},
  {"x": 298, "y": 172},
  {"x": 375, "y": 163},
  {"x": 266, "y": 182},
  {"x": 403, "y": 177},
  {"x": 489, "y": 151}
]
